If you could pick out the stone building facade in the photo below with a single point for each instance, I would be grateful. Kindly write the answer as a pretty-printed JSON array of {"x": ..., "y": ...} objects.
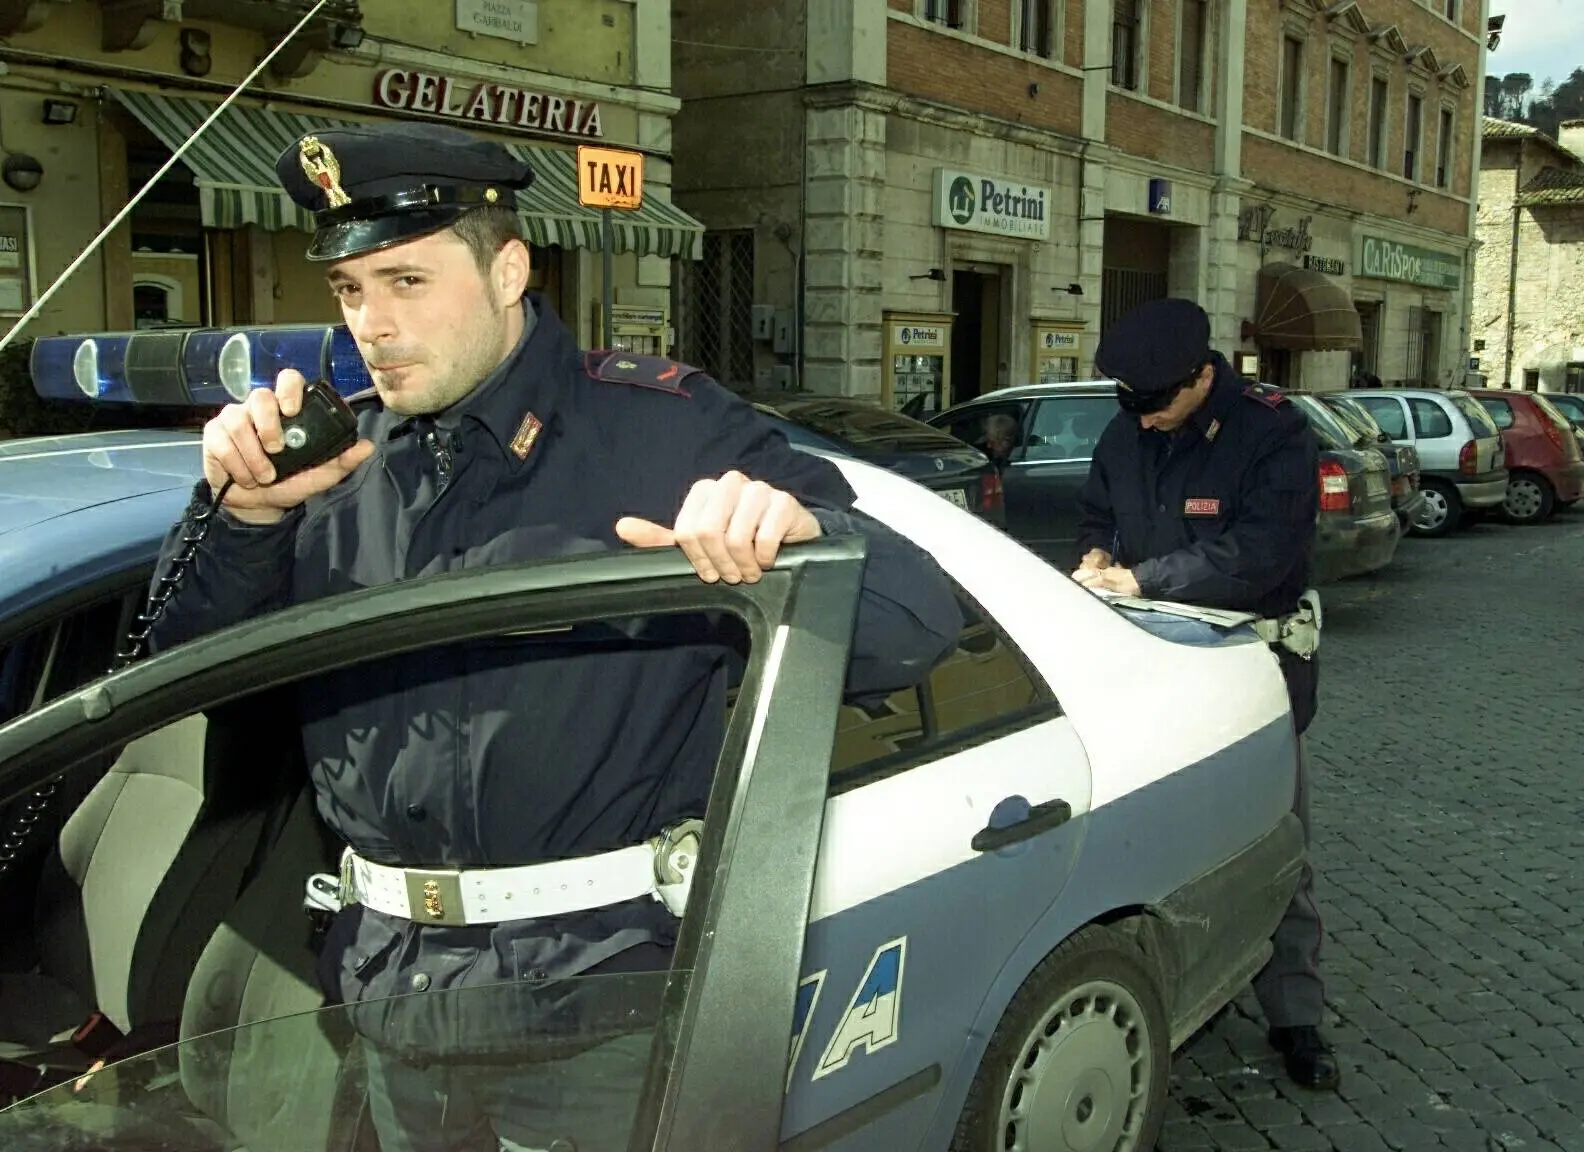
[
  {"x": 97, "y": 96},
  {"x": 921, "y": 200},
  {"x": 1528, "y": 315}
]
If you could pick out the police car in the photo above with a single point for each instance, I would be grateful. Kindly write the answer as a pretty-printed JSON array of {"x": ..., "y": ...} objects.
[{"x": 977, "y": 914}]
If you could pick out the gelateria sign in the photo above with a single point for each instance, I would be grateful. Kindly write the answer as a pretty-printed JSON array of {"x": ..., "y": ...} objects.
[
  {"x": 485, "y": 103},
  {"x": 1383, "y": 259}
]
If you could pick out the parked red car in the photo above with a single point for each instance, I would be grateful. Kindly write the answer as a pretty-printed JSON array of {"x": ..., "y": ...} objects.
[{"x": 1544, "y": 464}]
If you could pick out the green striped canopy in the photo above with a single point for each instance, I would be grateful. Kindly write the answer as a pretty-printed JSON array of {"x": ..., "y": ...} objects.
[{"x": 233, "y": 163}]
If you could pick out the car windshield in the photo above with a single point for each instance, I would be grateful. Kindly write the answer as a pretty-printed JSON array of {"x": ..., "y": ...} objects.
[
  {"x": 295, "y": 1081},
  {"x": 1479, "y": 419},
  {"x": 866, "y": 426}
]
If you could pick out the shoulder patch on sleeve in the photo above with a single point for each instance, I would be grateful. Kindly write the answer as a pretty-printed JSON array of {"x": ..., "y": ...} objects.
[
  {"x": 1266, "y": 395},
  {"x": 643, "y": 371}
]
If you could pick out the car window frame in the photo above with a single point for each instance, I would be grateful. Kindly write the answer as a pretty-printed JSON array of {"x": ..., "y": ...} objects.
[
  {"x": 1047, "y": 707},
  {"x": 1492, "y": 404},
  {"x": 1032, "y": 418},
  {"x": 1416, "y": 404},
  {"x": 1402, "y": 415},
  {"x": 739, "y": 960}
]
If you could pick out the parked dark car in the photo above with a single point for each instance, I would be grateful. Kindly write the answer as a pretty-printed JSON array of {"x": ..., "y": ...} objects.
[
  {"x": 958, "y": 471},
  {"x": 1043, "y": 436},
  {"x": 1408, "y": 498},
  {"x": 1545, "y": 469},
  {"x": 1358, "y": 530}
]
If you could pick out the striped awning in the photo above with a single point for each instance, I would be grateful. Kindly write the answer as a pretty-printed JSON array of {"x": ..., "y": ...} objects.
[{"x": 233, "y": 163}]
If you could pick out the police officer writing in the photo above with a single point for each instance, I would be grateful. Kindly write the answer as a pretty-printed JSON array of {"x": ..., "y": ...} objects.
[
  {"x": 1203, "y": 490},
  {"x": 489, "y": 437}
]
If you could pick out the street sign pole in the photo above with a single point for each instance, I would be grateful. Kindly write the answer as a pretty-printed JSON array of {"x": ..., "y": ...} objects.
[
  {"x": 609, "y": 178},
  {"x": 605, "y": 287}
]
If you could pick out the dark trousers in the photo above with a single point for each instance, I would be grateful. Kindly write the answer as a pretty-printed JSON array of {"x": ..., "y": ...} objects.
[
  {"x": 1290, "y": 990},
  {"x": 585, "y": 1102}
]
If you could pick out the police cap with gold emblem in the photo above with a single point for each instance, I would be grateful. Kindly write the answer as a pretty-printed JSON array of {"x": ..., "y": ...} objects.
[
  {"x": 1153, "y": 351},
  {"x": 371, "y": 186}
]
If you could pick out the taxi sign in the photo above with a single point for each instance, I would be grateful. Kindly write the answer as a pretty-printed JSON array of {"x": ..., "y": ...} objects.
[{"x": 609, "y": 178}]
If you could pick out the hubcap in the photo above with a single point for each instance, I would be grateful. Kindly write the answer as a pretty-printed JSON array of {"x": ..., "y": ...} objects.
[
  {"x": 1434, "y": 511},
  {"x": 1523, "y": 500},
  {"x": 1082, "y": 1078}
]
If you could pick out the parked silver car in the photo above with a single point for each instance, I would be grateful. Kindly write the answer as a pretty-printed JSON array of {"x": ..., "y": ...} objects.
[{"x": 1462, "y": 465}]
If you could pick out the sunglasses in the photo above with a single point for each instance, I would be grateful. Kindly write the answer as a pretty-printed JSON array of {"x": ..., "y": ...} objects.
[{"x": 1142, "y": 404}]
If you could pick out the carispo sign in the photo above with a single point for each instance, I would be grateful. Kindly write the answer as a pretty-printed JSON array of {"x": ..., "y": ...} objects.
[{"x": 486, "y": 103}]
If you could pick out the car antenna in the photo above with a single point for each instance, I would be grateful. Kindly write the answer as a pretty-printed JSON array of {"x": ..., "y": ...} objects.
[{"x": 38, "y": 305}]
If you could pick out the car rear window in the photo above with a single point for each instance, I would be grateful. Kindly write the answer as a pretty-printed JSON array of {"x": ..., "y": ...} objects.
[
  {"x": 1478, "y": 418},
  {"x": 868, "y": 427},
  {"x": 1331, "y": 432},
  {"x": 1553, "y": 412}
]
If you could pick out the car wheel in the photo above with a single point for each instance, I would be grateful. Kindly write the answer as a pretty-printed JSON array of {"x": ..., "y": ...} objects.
[
  {"x": 1441, "y": 511},
  {"x": 1080, "y": 1059},
  {"x": 1530, "y": 498}
]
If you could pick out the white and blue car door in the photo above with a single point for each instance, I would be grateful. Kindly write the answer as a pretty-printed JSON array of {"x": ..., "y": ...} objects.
[{"x": 949, "y": 833}]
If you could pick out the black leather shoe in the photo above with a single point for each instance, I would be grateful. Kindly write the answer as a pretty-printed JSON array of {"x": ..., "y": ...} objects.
[{"x": 1310, "y": 1061}]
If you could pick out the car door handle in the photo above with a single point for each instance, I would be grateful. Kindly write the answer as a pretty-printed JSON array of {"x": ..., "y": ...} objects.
[{"x": 1041, "y": 818}]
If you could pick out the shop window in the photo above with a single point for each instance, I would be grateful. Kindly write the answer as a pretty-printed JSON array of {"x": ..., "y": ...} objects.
[
  {"x": 1338, "y": 106},
  {"x": 1424, "y": 345},
  {"x": 716, "y": 298},
  {"x": 1291, "y": 87},
  {"x": 982, "y": 689},
  {"x": 1036, "y": 27},
  {"x": 1191, "y": 55},
  {"x": 1443, "y": 173},
  {"x": 151, "y": 304},
  {"x": 1126, "y": 32},
  {"x": 1380, "y": 94},
  {"x": 1412, "y": 131},
  {"x": 1366, "y": 361}
]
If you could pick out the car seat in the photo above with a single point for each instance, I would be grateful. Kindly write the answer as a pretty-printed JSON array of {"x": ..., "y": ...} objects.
[
  {"x": 257, "y": 1056},
  {"x": 141, "y": 875}
]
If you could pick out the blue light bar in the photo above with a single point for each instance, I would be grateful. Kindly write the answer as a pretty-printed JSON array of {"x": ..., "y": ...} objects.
[
  {"x": 82, "y": 367},
  {"x": 197, "y": 367},
  {"x": 349, "y": 372}
]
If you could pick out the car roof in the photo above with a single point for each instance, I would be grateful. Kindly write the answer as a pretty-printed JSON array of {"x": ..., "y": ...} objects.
[
  {"x": 81, "y": 508},
  {"x": 1057, "y": 388},
  {"x": 45, "y": 477}
]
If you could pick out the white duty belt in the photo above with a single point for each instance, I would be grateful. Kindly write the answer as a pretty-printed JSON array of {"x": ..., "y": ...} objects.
[{"x": 661, "y": 868}]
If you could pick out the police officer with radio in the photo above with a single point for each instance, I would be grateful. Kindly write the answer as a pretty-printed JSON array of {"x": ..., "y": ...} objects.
[
  {"x": 533, "y": 766},
  {"x": 1202, "y": 490}
]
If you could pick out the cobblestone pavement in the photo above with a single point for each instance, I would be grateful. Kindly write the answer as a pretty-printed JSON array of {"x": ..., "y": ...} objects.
[{"x": 1448, "y": 788}]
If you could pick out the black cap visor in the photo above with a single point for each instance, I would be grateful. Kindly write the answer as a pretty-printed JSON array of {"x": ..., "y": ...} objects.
[{"x": 355, "y": 237}]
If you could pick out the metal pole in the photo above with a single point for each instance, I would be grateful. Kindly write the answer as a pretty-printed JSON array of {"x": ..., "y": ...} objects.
[
  {"x": 38, "y": 306},
  {"x": 609, "y": 341}
]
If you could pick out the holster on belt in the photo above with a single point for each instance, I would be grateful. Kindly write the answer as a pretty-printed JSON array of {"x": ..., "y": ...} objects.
[{"x": 1299, "y": 631}]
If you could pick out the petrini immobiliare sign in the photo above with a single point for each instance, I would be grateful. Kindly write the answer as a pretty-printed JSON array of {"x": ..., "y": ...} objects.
[{"x": 975, "y": 202}]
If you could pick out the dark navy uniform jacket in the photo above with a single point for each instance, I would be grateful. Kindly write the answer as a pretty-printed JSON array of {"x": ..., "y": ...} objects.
[
  {"x": 1220, "y": 513},
  {"x": 515, "y": 751}
]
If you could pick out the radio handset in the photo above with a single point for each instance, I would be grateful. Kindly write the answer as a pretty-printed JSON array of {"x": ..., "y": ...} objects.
[{"x": 324, "y": 427}]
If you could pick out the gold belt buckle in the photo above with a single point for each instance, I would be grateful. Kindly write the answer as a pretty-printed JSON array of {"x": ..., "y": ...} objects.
[{"x": 434, "y": 897}]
